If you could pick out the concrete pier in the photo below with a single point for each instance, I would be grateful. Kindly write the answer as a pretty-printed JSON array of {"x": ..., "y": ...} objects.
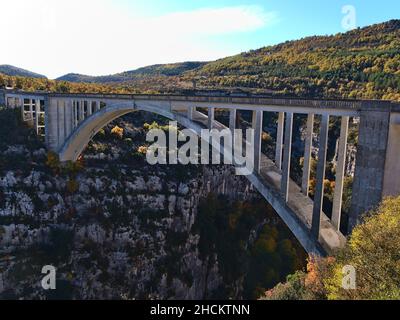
[
  {"x": 307, "y": 154},
  {"x": 370, "y": 163},
  {"x": 279, "y": 140},
  {"x": 211, "y": 117},
  {"x": 232, "y": 119},
  {"x": 287, "y": 154},
  {"x": 257, "y": 125},
  {"x": 191, "y": 111},
  {"x": 342, "y": 153},
  {"x": 321, "y": 167}
]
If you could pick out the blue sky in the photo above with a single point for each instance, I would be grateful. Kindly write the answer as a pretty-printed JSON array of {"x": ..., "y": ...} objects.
[
  {"x": 296, "y": 19},
  {"x": 99, "y": 37}
]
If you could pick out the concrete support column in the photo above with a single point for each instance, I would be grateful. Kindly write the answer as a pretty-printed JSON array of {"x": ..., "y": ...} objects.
[
  {"x": 305, "y": 186},
  {"x": 370, "y": 163},
  {"x": 90, "y": 110},
  {"x": 98, "y": 106},
  {"x": 68, "y": 117},
  {"x": 191, "y": 111},
  {"x": 76, "y": 113},
  {"x": 285, "y": 182},
  {"x": 232, "y": 120},
  {"x": 279, "y": 140},
  {"x": 257, "y": 125},
  {"x": 391, "y": 186},
  {"x": 37, "y": 113},
  {"x": 321, "y": 167},
  {"x": 73, "y": 114},
  {"x": 342, "y": 152},
  {"x": 232, "y": 127},
  {"x": 211, "y": 117},
  {"x": 30, "y": 110},
  {"x": 14, "y": 105},
  {"x": 61, "y": 122},
  {"x": 81, "y": 110},
  {"x": 85, "y": 114},
  {"x": 51, "y": 123}
]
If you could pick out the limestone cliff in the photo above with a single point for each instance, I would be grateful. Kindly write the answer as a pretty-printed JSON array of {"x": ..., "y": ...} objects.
[{"x": 115, "y": 228}]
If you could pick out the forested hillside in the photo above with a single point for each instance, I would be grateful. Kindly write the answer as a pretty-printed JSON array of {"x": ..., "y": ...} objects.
[
  {"x": 363, "y": 63},
  {"x": 173, "y": 69}
]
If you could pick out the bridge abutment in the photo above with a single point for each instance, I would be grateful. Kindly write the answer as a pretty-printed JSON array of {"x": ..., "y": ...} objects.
[
  {"x": 368, "y": 185},
  {"x": 391, "y": 186}
]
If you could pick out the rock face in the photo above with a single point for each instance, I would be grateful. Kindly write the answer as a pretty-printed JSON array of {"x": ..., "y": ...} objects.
[
  {"x": 112, "y": 230},
  {"x": 115, "y": 227},
  {"x": 121, "y": 230}
]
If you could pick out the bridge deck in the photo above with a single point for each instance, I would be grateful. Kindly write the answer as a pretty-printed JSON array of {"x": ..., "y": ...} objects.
[{"x": 227, "y": 101}]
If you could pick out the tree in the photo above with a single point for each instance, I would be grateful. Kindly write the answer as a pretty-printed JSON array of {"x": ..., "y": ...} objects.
[
  {"x": 117, "y": 132},
  {"x": 372, "y": 250}
]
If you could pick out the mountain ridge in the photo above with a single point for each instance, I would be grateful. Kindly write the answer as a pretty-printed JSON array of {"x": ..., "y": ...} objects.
[
  {"x": 170, "y": 69},
  {"x": 10, "y": 70}
]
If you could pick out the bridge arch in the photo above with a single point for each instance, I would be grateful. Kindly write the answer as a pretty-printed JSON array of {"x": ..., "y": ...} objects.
[
  {"x": 75, "y": 144},
  {"x": 84, "y": 133}
]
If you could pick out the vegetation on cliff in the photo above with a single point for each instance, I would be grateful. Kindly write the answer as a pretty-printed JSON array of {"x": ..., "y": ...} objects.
[
  {"x": 372, "y": 250},
  {"x": 261, "y": 260}
]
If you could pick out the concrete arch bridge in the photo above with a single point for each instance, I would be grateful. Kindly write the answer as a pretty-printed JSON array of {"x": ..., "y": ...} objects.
[{"x": 70, "y": 121}]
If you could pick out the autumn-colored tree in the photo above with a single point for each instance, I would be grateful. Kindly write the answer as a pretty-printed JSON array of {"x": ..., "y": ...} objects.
[
  {"x": 142, "y": 150},
  {"x": 118, "y": 132},
  {"x": 373, "y": 250}
]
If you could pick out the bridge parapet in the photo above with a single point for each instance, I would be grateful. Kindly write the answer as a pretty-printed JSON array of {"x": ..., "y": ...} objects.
[{"x": 71, "y": 120}]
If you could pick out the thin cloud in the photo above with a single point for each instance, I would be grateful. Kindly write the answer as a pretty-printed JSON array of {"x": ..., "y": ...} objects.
[
  {"x": 98, "y": 37},
  {"x": 209, "y": 21}
]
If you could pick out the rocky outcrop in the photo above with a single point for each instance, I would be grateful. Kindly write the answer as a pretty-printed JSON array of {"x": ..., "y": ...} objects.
[
  {"x": 121, "y": 229},
  {"x": 124, "y": 228}
]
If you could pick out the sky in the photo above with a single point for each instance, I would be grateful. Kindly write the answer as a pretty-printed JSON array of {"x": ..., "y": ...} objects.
[{"x": 101, "y": 37}]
